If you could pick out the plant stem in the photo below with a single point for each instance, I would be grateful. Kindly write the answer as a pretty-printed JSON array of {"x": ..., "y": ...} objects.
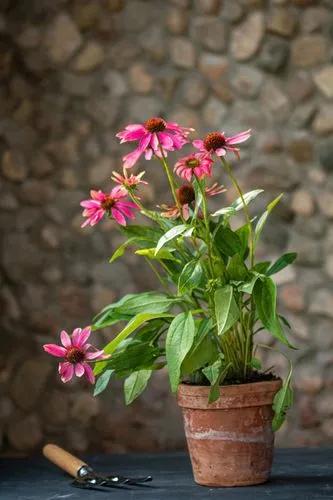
[
  {"x": 170, "y": 179},
  {"x": 157, "y": 274},
  {"x": 208, "y": 235},
  {"x": 245, "y": 208}
]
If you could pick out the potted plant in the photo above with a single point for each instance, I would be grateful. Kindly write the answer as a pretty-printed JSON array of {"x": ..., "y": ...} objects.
[{"x": 203, "y": 325}]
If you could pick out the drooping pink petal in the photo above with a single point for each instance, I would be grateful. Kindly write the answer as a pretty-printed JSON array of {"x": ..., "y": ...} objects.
[
  {"x": 240, "y": 137},
  {"x": 89, "y": 373},
  {"x": 96, "y": 355},
  {"x": 118, "y": 216},
  {"x": 198, "y": 143},
  {"x": 165, "y": 140},
  {"x": 66, "y": 371},
  {"x": 90, "y": 204},
  {"x": 55, "y": 350},
  {"x": 79, "y": 369},
  {"x": 65, "y": 339},
  {"x": 131, "y": 158}
]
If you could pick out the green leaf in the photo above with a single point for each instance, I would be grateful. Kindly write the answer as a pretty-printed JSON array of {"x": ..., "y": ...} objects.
[
  {"x": 237, "y": 270},
  {"x": 150, "y": 330},
  {"x": 261, "y": 267},
  {"x": 264, "y": 294},
  {"x": 203, "y": 350},
  {"x": 238, "y": 204},
  {"x": 173, "y": 233},
  {"x": 129, "y": 328},
  {"x": 108, "y": 318},
  {"x": 190, "y": 277},
  {"x": 248, "y": 287},
  {"x": 148, "y": 302},
  {"x": 243, "y": 233},
  {"x": 255, "y": 363},
  {"x": 133, "y": 356},
  {"x": 132, "y": 304},
  {"x": 198, "y": 196},
  {"x": 261, "y": 222},
  {"x": 282, "y": 401},
  {"x": 178, "y": 343},
  {"x": 163, "y": 254},
  {"x": 226, "y": 309},
  {"x": 147, "y": 233},
  {"x": 102, "y": 382},
  {"x": 215, "y": 373},
  {"x": 119, "y": 252},
  {"x": 227, "y": 241},
  {"x": 212, "y": 371},
  {"x": 281, "y": 263},
  {"x": 135, "y": 384}
]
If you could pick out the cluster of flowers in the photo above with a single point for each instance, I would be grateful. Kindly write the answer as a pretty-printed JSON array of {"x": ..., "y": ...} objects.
[{"x": 155, "y": 138}]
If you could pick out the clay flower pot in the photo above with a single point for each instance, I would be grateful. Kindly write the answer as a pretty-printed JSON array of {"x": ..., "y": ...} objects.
[{"x": 231, "y": 440}]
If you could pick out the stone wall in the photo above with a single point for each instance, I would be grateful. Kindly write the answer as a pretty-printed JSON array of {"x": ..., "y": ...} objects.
[{"x": 73, "y": 73}]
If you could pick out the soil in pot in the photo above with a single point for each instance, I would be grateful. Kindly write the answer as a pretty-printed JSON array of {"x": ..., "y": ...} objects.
[{"x": 231, "y": 440}]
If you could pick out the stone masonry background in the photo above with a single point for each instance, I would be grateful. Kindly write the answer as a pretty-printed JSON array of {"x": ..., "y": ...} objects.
[{"x": 73, "y": 72}]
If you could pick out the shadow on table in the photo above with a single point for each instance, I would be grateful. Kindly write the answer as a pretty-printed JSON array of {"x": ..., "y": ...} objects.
[{"x": 297, "y": 480}]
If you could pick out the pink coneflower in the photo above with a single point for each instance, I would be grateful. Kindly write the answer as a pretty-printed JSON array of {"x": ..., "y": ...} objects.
[
  {"x": 76, "y": 354},
  {"x": 186, "y": 197},
  {"x": 195, "y": 164},
  {"x": 152, "y": 135},
  {"x": 111, "y": 204},
  {"x": 218, "y": 143},
  {"x": 131, "y": 181}
]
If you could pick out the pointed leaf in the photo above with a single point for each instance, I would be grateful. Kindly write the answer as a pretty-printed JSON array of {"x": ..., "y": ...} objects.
[
  {"x": 264, "y": 294},
  {"x": 227, "y": 241},
  {"x": 119, "y": 252},
  {"x": 281, "y": 263},
  {"x": 129, "y": 328},
  {"x": 226, "y": 309},
  {"x": 163, "y": 254},
  {"x": 282, "y": 401},
  {"x": 174, "y": 232},
  {"x": 135, "y": 384},
  {"x": 238, "y": 204},
  {"x": 178, "y": 343},
  {"x": 190, "y": 276},
  {"x": 261, "y": 222},
  {"x": 102, "y": 382},
  {"x": 237, "y": 270}
]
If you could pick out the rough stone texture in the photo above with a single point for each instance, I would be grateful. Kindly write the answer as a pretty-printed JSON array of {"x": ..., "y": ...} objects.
[
  {"x": 246, "y": 38},
  {"x": 74, "y": 73},
  {"x": 324, "y": 80},
  {"x": 282, "y": 22},
  {"x": 309, "y": 50}
]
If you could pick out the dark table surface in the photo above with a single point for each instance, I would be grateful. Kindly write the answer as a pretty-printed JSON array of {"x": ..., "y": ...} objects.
[{"x": 305, "y": 474}]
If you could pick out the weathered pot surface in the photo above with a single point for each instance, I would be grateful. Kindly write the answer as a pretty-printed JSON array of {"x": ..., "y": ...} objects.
[{"x": 231, "y": 440}]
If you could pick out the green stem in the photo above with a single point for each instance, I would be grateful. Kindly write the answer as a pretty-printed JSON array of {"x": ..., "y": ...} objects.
[
  {"x": 170, "y": 179},
  {"x": 157, "y": 274},
  {"x": 245, "y": 208},
  {"x": 208, "y": 235}
]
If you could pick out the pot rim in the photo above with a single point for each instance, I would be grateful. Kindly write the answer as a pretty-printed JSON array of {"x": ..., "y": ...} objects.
[{"x": 231, "y": 396}]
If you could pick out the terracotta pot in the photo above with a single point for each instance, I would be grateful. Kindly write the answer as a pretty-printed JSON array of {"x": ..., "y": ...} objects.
[{"x": 231, "y": 440}]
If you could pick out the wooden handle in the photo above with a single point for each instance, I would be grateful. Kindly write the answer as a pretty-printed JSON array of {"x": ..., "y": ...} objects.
[{"x": 63, "y": 459}]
